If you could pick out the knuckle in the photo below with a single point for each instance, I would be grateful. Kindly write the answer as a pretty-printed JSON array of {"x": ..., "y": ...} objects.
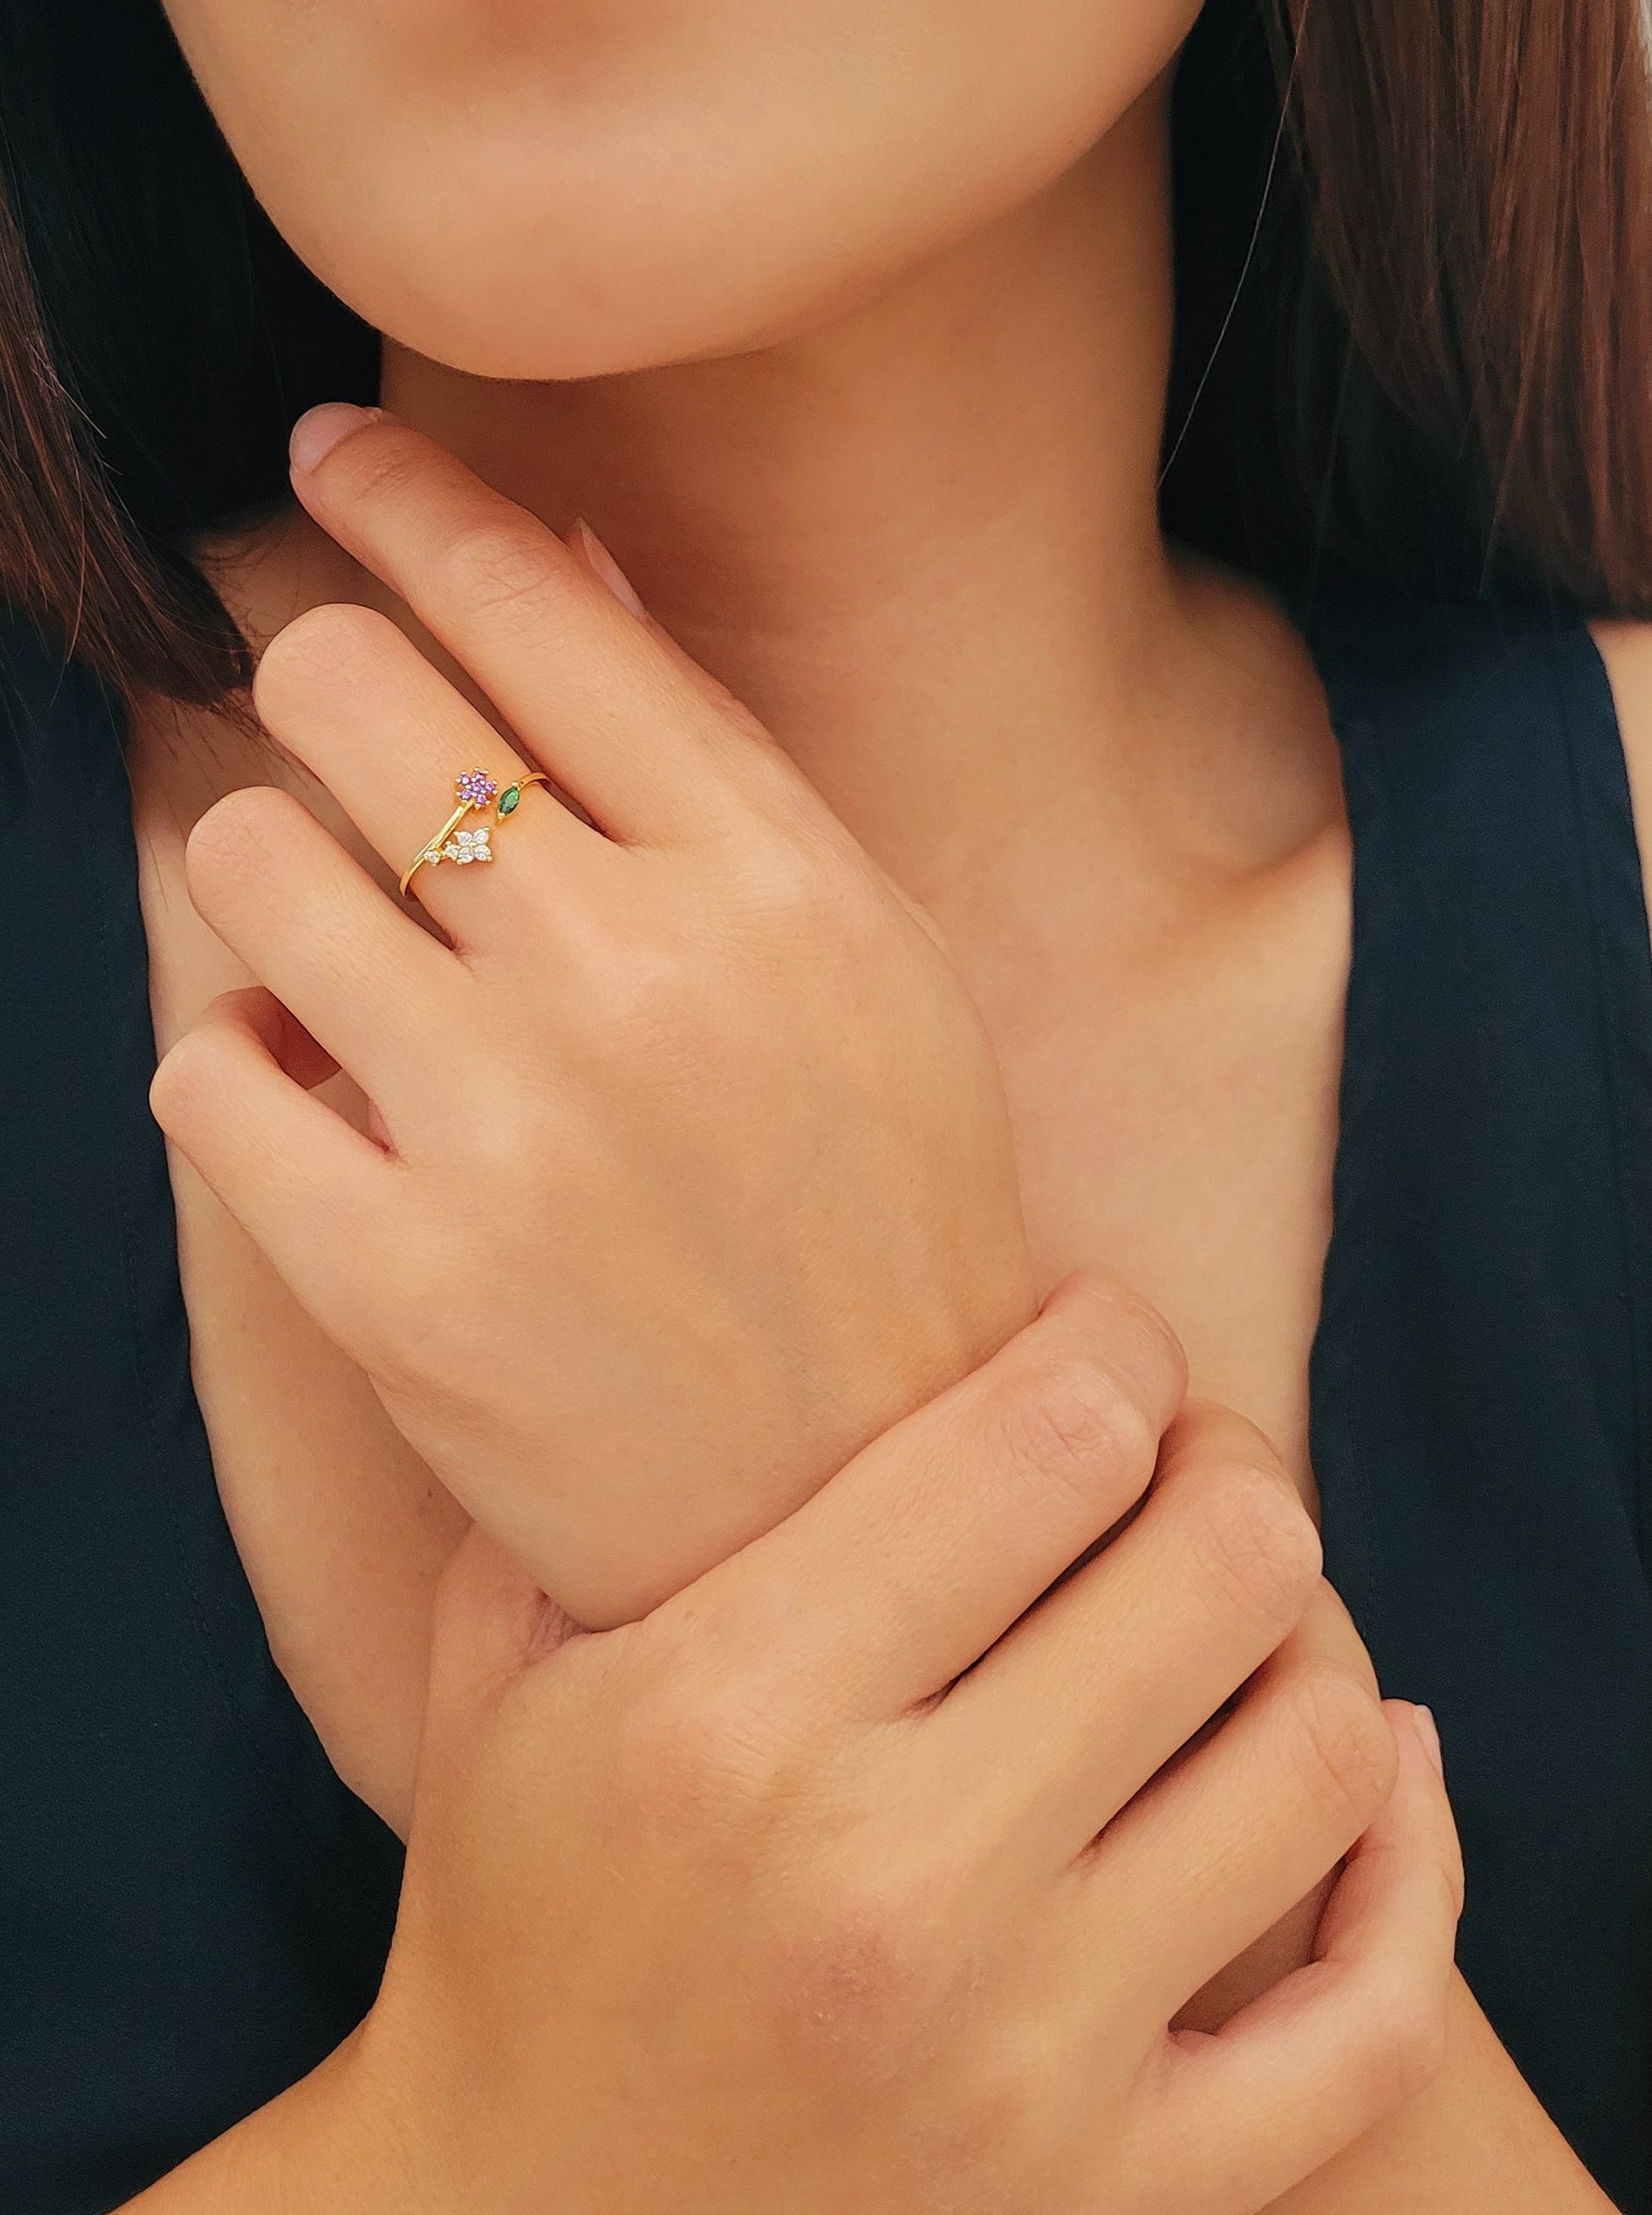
[
  {"x": 647, "y": 1000},
  {"x": 795, "y": 883},
  {"x": 704, "y": 1755},
  {"x": 184, "y": 1088},
  {"x": 660, "y": 1774},
  {"x": 643, "y": 1003},
  {"x": 1403, "y": 2036},
  {"x": 1101, "y": 1312},
  {"x": 993, "y": 2126},
  {"x": 321, "y": 646},
  {"x": 386, "y": 470},
  {"x": 1075, "y": 1426},
  {"x": 510, "y": 1127},
  {"x": 1342, "y": 1744},
  {"x": 1107, "y": 1303},
  {"x": 502, "y": 568},
  {"x": 1256, "y": 1543},
  {"x": 1328, "y": 1628},
  {"x": 238, "y": 837}
]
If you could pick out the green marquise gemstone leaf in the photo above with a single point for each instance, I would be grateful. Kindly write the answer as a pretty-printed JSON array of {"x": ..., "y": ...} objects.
[{"x": 508, "y": 797}]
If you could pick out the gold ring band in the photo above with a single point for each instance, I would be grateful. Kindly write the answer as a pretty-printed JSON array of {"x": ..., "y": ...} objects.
[{"x": 477, "y": 792}]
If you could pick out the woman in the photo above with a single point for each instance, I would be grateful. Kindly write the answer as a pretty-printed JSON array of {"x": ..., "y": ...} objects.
[{"x": 871, "y": 405}]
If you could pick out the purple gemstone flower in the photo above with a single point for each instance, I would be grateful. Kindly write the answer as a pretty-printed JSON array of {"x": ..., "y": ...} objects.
[{"x": 476, "y": 789}]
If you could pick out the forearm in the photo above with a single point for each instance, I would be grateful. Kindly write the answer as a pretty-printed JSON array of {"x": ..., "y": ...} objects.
[{"x": 1477, "y": 2143}]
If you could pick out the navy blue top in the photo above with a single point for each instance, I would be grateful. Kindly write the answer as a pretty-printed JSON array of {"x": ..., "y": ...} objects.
[{"x": 194, "y": 1909}]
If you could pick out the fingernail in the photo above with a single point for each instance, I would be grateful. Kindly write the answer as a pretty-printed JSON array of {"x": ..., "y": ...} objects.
[
  {"x": 603, "y": 563},
  {"x": 318, "y": 430},
  {"x": 1423, "y": 1718}
]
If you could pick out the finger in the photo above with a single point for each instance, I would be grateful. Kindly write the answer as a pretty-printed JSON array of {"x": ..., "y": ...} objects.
[
  {"x": 349, "y": 695},
  {"x": 357, "y": 971},
  {"x": 580, "y": 680},
  {"x": 314, "y": 1192},
  {"x": 1329, "y": 1630},
  {"x": 1111, "y": 1674},
  {"x": 582, "y": 542},
  {"x": 295, "y": 1050},
  {"x": 1320, "y": 2060},
  {"x": 887, "y": 1585},
  {"x": 1227, "y": 1840}
]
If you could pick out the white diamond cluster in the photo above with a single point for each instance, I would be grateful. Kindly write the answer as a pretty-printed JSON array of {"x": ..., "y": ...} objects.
[{"x": 469, "y": 846}]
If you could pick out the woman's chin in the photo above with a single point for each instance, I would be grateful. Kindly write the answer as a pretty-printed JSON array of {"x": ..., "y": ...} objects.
[
  {"x": 557, "y": 326},
  {"x": 539, "y": 314}
]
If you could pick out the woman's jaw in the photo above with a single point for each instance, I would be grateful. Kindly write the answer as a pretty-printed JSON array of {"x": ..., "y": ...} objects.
[{"x": 851, "y": 344}]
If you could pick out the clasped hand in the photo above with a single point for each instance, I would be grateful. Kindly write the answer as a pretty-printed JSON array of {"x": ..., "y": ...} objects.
[
  {"x": 874, "y": 1865},
  {"x": 694, "y": 1171}
]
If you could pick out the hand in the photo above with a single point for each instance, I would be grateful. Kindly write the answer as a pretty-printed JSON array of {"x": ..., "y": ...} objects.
[
  {"x": 695, "y": 1171},
  {"x": 1474, "y": 2141},
  {"x": 869, "y": 1872}
]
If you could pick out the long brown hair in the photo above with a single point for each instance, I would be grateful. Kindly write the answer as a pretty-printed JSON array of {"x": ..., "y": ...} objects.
[{"x": 1413, "y": 263}]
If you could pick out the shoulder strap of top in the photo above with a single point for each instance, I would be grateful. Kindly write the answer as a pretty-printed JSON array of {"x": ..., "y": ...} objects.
[
  {"x": 1480, "y": 1379},
  {"x": 1499, "y": 1052}
]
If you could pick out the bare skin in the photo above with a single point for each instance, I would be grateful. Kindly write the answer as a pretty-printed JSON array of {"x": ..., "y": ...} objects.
[
  {"x": 698, "y": 1913},
  {"x": 926, "y": 558},
  {"x": 1154, "y": 937},
  {"x": 1107, "y": 1062}
]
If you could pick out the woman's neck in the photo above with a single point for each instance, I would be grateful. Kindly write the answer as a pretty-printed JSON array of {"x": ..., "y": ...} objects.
[{"x": 920, "y": 541}]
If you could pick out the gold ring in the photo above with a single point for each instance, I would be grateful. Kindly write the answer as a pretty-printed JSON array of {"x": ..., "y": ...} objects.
[{"x": 476, "y": 792}]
